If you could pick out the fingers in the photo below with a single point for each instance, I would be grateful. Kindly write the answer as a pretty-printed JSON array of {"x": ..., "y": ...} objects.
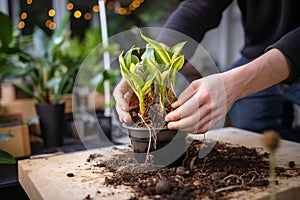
[
  {"x": 197, "y": 122},
  {"x": 187, "y": 93},
  {"x": 186, "y": 109},
  {"x": 122, "y": 95},
  {"x": 124, "y": 116},
  {"x": 119, "y": 94},
  {"x": 199, "y": 107}
]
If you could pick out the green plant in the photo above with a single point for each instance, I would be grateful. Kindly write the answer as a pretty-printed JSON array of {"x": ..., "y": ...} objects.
[
  {"x": 11, "y": 47},
  {"x": 50, "y": 71},
  {"x": 88, "y": 50},
  {"x": 6, "y": 158},
  {"x": 169, "y": 62},
  {"x": 157, "y": 66}
]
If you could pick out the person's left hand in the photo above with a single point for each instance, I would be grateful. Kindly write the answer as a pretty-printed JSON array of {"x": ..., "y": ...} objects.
[{"x": 200, "y": 106}]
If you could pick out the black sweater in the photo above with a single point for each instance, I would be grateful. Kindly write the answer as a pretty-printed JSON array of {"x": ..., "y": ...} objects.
[{"x": 267, "y": 24}]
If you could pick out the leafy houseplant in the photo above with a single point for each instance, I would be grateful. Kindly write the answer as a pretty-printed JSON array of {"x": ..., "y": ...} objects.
[
  {"x": 92, "y": 97},
  {"x": 152, "y": 77},
  {"x": 52, "y": 74}
]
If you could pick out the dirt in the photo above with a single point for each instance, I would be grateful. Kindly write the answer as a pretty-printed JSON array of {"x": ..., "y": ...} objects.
[
  {"x": 225, "y": 169},
  {"x": 154, "y": 115}
]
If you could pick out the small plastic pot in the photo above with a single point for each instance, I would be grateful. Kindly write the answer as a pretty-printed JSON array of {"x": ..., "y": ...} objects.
[{"x": 169, "y": 149}]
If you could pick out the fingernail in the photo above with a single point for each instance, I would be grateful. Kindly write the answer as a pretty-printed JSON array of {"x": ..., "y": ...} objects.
[
  {"x": 167, "y": 118},
  {"x": 170, "y": 126},
  {"x": 174, "y": 105}
]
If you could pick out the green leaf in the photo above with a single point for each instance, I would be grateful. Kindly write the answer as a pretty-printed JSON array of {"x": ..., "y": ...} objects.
[
  {"x": 39, "y": 41},
  {"x": 59, "y": 35},
  {"x": 5, "y": 137},
  {"x": 53, "y": 82},
  {"x": 150, "y": 64},
  {"x": 148, "y": 54},
  {"x": 67, "y": 79},
  {"x": 6, "y": 31},
  {"x": 15, "y": 72},
  {"x": 160, "y": 52},
  {"x": 165, "y": 75},
  {"x": 128, "y": 56},
  {"x": 59, "y": 31},
  {"x": 137, "y": 80},
  {"x": 132, "y": 68},
  {"x": 149, "y": 81},
  {"x": 177, "y": 64},
  {"x": 6, "y": 158},
  {"x": 27, "y": 90},
  {"x": 176, "y": 49}
]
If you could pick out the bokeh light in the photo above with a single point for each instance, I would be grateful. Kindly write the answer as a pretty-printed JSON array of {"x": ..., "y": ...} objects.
[
  {"x": 96, "y": 8},
  {"x": 77, "y": 14},
  {"x": 51, "y": 13},
  {"x": 52, "y": 26},
  {"x": 48, "y": 22},
  {"x": 70, "y": 6},
  {"x": 21, "y": 24},
  {"x": 23, "y": 15},
  {"x": 29, "y": 2},
  {"x": 87, "y": 16}
]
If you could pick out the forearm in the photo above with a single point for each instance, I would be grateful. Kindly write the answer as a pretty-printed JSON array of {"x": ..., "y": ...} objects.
[{"x": 265, "y": 71}]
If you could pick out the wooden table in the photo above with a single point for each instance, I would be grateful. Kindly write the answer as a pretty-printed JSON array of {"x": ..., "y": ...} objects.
[{"x": 46, "y": 178}]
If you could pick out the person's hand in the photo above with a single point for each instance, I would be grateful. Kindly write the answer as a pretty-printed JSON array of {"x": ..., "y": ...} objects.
[
  {"x": 126, "y": 100},
  {"x": 200, "y": 106}
]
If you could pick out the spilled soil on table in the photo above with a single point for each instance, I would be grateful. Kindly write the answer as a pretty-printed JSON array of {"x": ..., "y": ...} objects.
[{"x": 225, "y": 169}]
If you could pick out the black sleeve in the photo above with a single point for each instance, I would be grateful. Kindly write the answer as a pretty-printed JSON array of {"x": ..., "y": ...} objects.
[
  {"x": 289, "y": 45},
  {"x": 194, "y": 17}
]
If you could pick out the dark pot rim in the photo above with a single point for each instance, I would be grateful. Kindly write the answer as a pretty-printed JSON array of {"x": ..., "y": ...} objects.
[
  {"x": 142, "y": 128},
  {"x": 53, "y": 104}
]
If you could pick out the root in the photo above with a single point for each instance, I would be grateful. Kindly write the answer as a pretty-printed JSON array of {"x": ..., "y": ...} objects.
[
  {"x": 231, "y": 186},
  {"x": 151, "y": 130},
  {"x": 240, "y": 178}
]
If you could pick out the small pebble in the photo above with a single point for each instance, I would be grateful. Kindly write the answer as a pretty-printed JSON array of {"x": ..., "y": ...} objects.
[
  {"x": 217, "y": 176},
  {"x": 70, "y": 174},
  {"x": 163, "y": 186},
  {"x": 291, "y": 164},
  {"x": 196, "y": 183},
  {"x": 180, "y": 171},
  {"x": 262, "y": 182}
]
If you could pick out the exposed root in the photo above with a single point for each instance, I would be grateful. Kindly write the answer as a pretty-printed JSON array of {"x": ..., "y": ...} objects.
[
  {"x": 151, "y": 130},
  {"x": 239, "y": 180}
]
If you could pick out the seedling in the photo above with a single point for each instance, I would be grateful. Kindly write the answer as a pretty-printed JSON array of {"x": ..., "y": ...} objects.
[{"x": 156, "y": 67}]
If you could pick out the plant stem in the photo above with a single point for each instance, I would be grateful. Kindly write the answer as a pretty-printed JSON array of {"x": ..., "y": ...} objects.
[
  {"x": 162, "y": 92},
  {"x": 141, "y": 105}
]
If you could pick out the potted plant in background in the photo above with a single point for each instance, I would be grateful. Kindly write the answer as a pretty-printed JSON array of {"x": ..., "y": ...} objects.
[
  {"x": 89, "y": 89},
  {"x": 52, "y": 75},
  {"x": 11, "y": 50},
  {"x": 152, "y": 77}
]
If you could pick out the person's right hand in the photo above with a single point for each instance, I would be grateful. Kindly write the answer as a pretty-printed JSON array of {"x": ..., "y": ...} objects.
[{"x": 125, "y": 101}]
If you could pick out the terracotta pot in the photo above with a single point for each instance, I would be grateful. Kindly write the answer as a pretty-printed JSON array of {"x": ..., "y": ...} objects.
[{"x": 170, "y": 145}]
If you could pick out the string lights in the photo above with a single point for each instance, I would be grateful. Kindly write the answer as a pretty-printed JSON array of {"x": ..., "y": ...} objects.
[{"x": 115, "y": 5}]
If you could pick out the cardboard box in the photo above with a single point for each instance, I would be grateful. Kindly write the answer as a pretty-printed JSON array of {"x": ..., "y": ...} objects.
[{"x": 19, "y": 145}]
